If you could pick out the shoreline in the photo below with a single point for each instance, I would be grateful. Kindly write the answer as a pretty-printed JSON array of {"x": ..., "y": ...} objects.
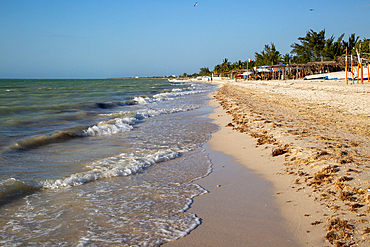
[
  {"x": 241, "y": 208},
  {"x": 320, "y": 179}
]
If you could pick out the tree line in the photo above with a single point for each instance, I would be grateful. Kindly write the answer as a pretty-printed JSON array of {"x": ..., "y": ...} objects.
[{"x": 313, "y": 47}]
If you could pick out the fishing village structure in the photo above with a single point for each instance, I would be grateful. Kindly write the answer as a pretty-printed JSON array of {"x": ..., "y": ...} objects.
[{"x": 296, "y": 71}]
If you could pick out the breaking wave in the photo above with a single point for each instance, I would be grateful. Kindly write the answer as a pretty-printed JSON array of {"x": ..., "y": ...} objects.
[
  {"x": 120, "y": 123},
  {"x": 111, "y": 127},
  {"x": 12, "y": 187},
  {"x": 41, "y": 140},
  {"x": 124, "y": 164}
]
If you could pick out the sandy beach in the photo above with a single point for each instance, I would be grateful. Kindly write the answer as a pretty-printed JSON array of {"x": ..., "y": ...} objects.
[{"x": 291, "y": 166}]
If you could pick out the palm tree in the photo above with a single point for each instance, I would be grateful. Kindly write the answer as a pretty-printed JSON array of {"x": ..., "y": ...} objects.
[
  {"x": 225, "y": 65},
  {"x": 365, "y": 46},
  {"x": 217, "y": 69},
  {"x": 352, "y": 41},
  {"x": 333, "y": 49},
  {"x": 240, "y": 64},
  {"x": 311, "y": 47},
  {"x": 269, "y": 56},
  {"x": 204, "y": 71},
  {"x": 287, "y": 58}
]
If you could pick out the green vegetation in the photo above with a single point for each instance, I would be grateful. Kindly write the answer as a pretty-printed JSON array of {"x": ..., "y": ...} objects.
[
  {"x": 269, "y": 56},
  {"x": 314, "y": 47}
]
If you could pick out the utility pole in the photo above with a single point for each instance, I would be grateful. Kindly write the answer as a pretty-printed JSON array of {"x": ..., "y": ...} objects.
[
  {"x": 247, "y": 68},
  {"x": 346, "y": 68}
]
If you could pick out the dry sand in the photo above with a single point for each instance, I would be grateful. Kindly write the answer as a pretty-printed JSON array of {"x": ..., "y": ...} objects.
[{"x": 310, "y": 140}]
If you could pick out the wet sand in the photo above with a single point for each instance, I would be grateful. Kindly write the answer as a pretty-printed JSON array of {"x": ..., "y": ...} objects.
[
  {"x": 310, "y": 140},
  {"x": 241, "y": 208}
]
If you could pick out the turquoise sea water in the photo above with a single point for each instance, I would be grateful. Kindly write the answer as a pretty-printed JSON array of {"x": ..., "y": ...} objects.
[{"x": 100, "y": 162}]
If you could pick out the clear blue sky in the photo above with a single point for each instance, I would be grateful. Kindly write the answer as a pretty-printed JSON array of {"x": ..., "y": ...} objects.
[{"x": 122, "y": 38}]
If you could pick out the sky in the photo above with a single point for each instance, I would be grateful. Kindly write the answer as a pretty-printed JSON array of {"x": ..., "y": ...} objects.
[{"x": 52, "y": 39}]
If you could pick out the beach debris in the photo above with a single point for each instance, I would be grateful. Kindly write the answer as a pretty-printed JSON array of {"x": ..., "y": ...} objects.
[
  {"x": 278, "y": 151},
  {"x": 346, "y": 196},
  {"x": 354, "y": 207},
  {"x": 316, "y": 223},
  {"x": 328, "y": 152},
  {"x": 338, "y": 229},
  {"x": 219, "y": 185},
  {"x": 345, "y": 178},
  {"x": 264, "y": 139},
  {"x": 331, "y": 236},
  {"x": 325, "y": 176},
  {"x": 229, "y": 125},
  {"x": 366, "y": 230},
  {"x": 352, "y": 170}
]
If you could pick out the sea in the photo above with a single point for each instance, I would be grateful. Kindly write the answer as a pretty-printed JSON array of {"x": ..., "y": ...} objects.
[{"x": 102, "y": 162}]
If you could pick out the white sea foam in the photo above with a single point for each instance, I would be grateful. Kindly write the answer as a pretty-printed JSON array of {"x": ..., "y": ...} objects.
[
  {"x": 146, "y": 113},
  {"x": 153, "y": 112},
  {"x": 176, "y": 92},
  {"x": 123, "y": 165},
  {"x": 190, "y": 200},
  {"x": 173, "y": 94},
  {"x": 142, "y": 101},
  {"x": 170, "y": 233},
  {"x": 111, "y": 127},
  {"x": 83, "y": 242},
  {"x": 125, "y": 124}
]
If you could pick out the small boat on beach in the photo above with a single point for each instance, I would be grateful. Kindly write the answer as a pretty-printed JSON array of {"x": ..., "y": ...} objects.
[
  {"x": 337, "y": 75},
  {"x": 327, "y": 76},
  {"x": 315, "y": 77}
]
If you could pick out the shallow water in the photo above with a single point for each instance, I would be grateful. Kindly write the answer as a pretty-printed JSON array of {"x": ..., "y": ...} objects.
[{"x": 100, "y": 162}]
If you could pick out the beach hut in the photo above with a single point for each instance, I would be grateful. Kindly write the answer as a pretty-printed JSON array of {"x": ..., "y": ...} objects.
[{"x": 233, "y": 73}]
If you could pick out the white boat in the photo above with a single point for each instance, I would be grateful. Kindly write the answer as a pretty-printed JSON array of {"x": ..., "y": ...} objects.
[
  {"x": 365, "y": 76},
  {"x": 342, "y": 75},
  {"x": 336, "y": 75},
  {"x": 316, "y": 77}
]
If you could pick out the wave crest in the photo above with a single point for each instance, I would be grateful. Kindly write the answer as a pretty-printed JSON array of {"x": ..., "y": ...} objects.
[
  {"x": 111, "y": 127},
  {"x": 13, "y": 187},
  {"x": 41, "y": 140},
  {"x": 122, "y": 165}
]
